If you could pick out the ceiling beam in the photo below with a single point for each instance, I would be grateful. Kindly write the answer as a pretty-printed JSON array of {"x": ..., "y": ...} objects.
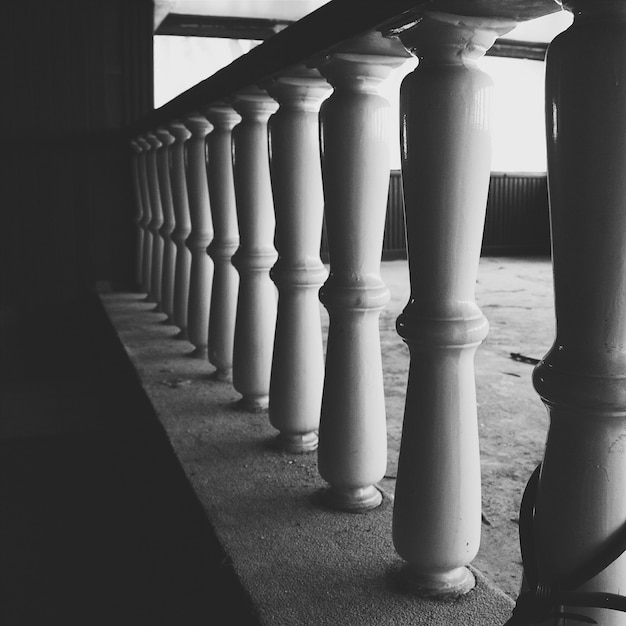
[
  {"x": 223, "y": 27},
  {"x": 513, "y": 49}
]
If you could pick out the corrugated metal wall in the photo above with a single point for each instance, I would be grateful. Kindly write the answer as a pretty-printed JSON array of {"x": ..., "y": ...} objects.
[{"x": 516, "y": 222}]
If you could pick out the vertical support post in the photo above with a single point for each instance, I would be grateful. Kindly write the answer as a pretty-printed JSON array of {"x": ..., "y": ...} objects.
[
  {"x": 146, "y": 264},
  {"x": 182, "y": 227},
  {"x": 580, "y": 502},
  {"x": 298, "y": 363},
  {"x": 201, "y": 275},
  {"x": 446, "y": 163},
  {"x": 156, "y": 220},
  {"x": 225, "y": 241},
  {"x": 256, "y": 303},
  {"x": 169, "y": 248},
  {"x": 139, "y": 233},
  {"x": 355, "y": 134}
]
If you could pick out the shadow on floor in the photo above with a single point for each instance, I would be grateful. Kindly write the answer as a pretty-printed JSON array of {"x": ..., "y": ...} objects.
[{"x": 98, "y": 524}]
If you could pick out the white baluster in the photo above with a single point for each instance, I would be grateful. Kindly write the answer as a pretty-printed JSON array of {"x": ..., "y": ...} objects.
[
  {"x": 156, "y": 220},
  {"x": 256, "y": 304},
  {"x": 182, "y": 227},
  {"x": 169, "y": 248},
  {"x": 201, "y": 276},
  {"x": 146, "y": 265},
  {"x": 580, "y": 503},
  {"x": 225, "y": 240},
  {"x": 139, "y": 232},
  {"x": 446, "y": 161},
  {"x": 355, "y": 136},
  {"x": 298, "y": 362}
]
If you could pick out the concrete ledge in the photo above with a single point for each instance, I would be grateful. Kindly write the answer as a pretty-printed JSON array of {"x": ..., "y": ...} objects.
[{"x": 300, "y": 563}]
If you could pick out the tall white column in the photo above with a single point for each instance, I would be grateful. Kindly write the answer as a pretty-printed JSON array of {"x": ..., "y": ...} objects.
[
  {"x": 146, "y": 264},
  {"x": 446, "y": 163},
  {"x": 582, "y": 380},
  {"x": 355, "y": 135},
  {"x": 225, "y": 241},
  {"x": 182, "y": 227},
  {"x": 156, "y": 220},
  {"x": 139, "y": 231},
  {"x": 169, "y": 247},
  {"x": 201, "y": 276},
  {"x": 298, "y": 362},
  {"x": 256, "y": 303}
]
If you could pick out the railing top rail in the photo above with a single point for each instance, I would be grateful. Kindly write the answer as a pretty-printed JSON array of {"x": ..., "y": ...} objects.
[{"x": 319, "y": 32}]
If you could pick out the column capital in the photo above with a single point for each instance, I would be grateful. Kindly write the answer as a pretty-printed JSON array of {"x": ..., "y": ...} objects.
[
  {"x": 134, "y": 144},
  {"x": 153, "y": 140},
  {"x": 453, "y": 39},
  {"x": 369, "y": 58},
  {"x": 222, "y": 114},
  {"x": 303, "y": 86},
  {"x": 179, "y": 131},
  {"x": 164, "y": 136},
  {"x": 143, "y": 143},
  {"x": 254, "y": 101},
  {"x": 198, "y": 125}
]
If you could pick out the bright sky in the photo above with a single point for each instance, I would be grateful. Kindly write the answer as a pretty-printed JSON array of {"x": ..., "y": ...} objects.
[{"x": 517, "y": 112}]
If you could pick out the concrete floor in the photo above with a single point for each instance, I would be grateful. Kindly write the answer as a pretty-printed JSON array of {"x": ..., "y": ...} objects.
[{"x": 150, "y": 500}]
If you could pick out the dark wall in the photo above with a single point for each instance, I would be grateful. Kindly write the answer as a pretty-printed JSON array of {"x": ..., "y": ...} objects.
[{"x": 74, "y": 73}]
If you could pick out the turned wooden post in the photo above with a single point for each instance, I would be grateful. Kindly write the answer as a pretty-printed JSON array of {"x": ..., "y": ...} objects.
[
  {"x": 182, "y": 226},
  {"x": 139, "y": 232},
  {"x": 446, "y": 163},
  {"x": 156, "y": 220},
  {"x": 582, "y": 380},
  {"x": 146, "y": 263},
  {"x": 256, "y": 304},
  {"x": 201, "y": 276},
  {"x": 225, "y": 240},
  {"x": 355, "y": 135},
  {"x": 298, "y": 362},
  {"x": 169, "y": 247}
]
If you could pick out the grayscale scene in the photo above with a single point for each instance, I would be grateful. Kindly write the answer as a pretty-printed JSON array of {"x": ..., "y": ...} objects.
[{"x": 312, "y": 313}]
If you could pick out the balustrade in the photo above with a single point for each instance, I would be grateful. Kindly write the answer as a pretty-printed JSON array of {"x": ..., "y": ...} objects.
[
  {"x": 256, "y": 303},
  {"x": 201, "y": 273},
  {"x": 169, "y": 248},
  {"x": 139, "y": 233},
  {"x": 225, "y": 240},
  {"x": 182, "y": 227},
  {"x": 156, "y": 220},
  {"x": 355, "y": 135},
  {"x": 580, "y": 505},
  {"x": 298, "y": 363},
  {"x": 446, "y": 163},
  {"x": 250, "y": 191},
  {"x": 146, "y": 264}
]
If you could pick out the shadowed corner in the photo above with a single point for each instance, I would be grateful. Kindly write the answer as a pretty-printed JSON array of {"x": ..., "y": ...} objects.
[{"x": 98, "y": 523}]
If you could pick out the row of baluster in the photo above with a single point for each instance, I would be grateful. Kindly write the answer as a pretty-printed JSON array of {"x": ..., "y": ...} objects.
[
  {"x": 263, "y": 167},
  {"x": 232, "y": 200}
]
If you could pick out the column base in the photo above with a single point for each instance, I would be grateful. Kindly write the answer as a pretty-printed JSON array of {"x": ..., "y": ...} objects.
[
  {"x": 357, "y": 500},
  {"x": 256, "y": 404},
  {"x": 222, "y": 375},
  {"x": 200, "y": 352},
  {"x": 452, "y": 584},
  {"x": 298, "y": 443}
]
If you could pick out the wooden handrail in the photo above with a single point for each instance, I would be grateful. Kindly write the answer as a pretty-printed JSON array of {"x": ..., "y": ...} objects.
[{"x": 317, "y": 33}]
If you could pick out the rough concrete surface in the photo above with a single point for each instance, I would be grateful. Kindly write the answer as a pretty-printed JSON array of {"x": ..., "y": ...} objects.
[{"x": 301, "y": 563}]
